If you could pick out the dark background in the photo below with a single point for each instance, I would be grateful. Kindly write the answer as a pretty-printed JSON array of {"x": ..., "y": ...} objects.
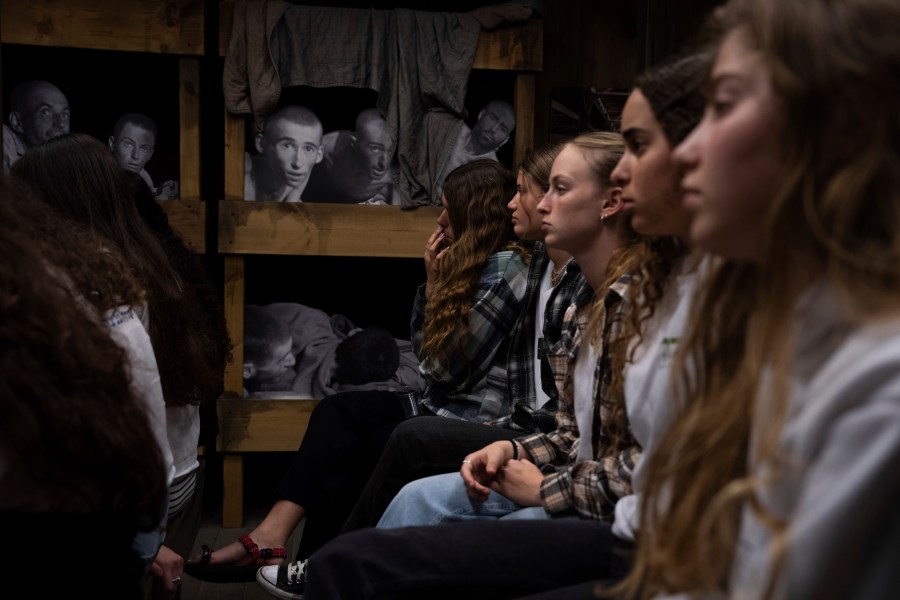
[{"x": 101, "y": 86}]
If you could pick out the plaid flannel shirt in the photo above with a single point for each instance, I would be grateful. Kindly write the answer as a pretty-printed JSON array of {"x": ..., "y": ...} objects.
[
  {"x": 481, "y": 367},
  {"x": 520, "y": 359},
  {"x": 591, "y": 487}
]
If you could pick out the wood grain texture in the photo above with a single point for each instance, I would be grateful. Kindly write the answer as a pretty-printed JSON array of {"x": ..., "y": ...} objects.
[
  {"x": 324, "y": 229},
  {"x": 189, "y": 130},
  {"x": 234, "y": 322},
  {"x": 188, "y": 219},
  {"x": 173, "y": 27},
  {"x": 262, "y": 425}
]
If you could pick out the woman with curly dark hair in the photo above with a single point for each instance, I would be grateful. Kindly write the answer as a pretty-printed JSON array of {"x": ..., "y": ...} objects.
[
  {"x": 78, "y": 178},
  {"x": 82, "y": 423}
]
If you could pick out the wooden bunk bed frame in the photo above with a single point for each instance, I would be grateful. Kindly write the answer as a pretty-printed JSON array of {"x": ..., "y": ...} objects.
[
  {"x": 325, "y": 230},
  {"x": 173, "y": 28},
  {"x": 176, "y": 27}
]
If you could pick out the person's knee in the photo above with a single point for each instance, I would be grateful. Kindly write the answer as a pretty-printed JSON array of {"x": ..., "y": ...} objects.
[{"x": 413, "y": 433}]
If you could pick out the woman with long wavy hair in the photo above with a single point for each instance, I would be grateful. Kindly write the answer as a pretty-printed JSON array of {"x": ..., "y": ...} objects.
[
  {"x": 80, "y": 180},
  {"x": 495, "y": 558},
  {"x": 780, "y": 478},
  {"x": 82, "y": 431},
  {"x": 461, "y": 320},
  {"x": 476, "y": 276}
]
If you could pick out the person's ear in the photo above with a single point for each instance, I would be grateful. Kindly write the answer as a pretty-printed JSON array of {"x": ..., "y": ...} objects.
[
  {"x": 249, "y": 370},
  {"x": 15, "y": 122},
  {"x": 258, "y": 142},
  {"x": 612, "y": 202},
  {"x": 112, "y": 144},
  {"x": 320, "y": 154}
]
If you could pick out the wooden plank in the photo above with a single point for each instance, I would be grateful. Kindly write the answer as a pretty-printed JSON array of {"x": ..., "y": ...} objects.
[
  {"x": 234, "y": 156},
  {"x": 232, "y": 490},
  {"x": 234, "y": 322},
  {"x": 524, "y": 101},
  {"x": 517, "y": 46},
  {"x": 262, "y": 425},
  {"x": 189, "y": 130},
  {"x": 513, "y": 47},
  {"x": 192, "y": 231},
  {"x": 172, "y": 27},
  {"x": 226, "y": 23},
  {"x": 188, "y": 219},
  {"x": 324, "y": 229}
]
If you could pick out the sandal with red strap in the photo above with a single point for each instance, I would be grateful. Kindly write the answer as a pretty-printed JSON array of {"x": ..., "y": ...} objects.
[{"x": 202, "y": 570}]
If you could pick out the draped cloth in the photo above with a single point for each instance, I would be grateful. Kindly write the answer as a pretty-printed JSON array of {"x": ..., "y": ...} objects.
[{"x": 417, "y": 61}]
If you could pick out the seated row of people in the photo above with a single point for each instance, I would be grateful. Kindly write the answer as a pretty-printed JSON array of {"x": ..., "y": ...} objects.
[
  {"x": 741, "y": 360},
  {"x": 720, "y": 351}
]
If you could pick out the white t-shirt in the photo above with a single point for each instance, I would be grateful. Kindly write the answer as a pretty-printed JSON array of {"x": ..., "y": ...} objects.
[
  {"x": 649, "y": 399},
  {"x": 541, "y": 398}
]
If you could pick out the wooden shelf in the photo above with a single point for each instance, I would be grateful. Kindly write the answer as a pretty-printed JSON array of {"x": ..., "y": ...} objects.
[
  {"x": 319, "y": 229},
  {"x": 323, "y": 229},
  {"x": 174, "y": 27}
]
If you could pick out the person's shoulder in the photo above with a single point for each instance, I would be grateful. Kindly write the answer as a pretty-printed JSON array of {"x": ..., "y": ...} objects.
[
  {"x": 505, "y": 264},
  {"x": 335, "y": 141},
  {"x": 250, "y": 191},
  {"x": 13, "y": 145},
  {"x": 147, "y": 179}
]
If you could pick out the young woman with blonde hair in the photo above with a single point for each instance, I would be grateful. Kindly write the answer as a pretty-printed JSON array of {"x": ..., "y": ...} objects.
[{"x": 429, "y": 446}]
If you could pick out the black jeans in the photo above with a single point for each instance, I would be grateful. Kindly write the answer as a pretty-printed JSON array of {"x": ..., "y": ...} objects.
[
  {"x": 473, "y": 560},
  {"x": 419, "y": 447},
  {"x": 346, "y": 434}
]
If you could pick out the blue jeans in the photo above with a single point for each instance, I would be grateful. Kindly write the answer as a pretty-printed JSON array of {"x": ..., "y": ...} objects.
[{"x": 443, "y": 499}]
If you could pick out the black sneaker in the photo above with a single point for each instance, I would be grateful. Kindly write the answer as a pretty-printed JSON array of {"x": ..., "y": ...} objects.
[{"x": 286, "y": 581}]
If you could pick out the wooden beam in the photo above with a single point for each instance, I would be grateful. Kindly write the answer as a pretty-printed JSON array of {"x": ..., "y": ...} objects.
[
  {"x": 524, "y": 100},
  {"x": 234, "y": 156},
  {"x": 173, "y": 27},
  {"x": 513, "y": 47},
  {"x": 262, "y": 426},
  {"x": 321, "y": 229},
  {"x": 188, "y": 219},
  {"x": 232, "y": 490},
  {"x": 189, "y": 130},
  {"x": 234, "y": 322}
]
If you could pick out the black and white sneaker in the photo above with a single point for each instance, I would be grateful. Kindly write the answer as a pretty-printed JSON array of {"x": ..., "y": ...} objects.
[{"x": 286, "y": 581}]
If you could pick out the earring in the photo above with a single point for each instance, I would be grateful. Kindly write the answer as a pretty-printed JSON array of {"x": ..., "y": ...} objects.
[{"x": 602, "y": 217}]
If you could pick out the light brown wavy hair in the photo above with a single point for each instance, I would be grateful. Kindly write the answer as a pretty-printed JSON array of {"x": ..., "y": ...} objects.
[
  {"x": 538, "y": 163},
  {"x": 477, "y": 196},
  {"x": 835, "y": 70}
]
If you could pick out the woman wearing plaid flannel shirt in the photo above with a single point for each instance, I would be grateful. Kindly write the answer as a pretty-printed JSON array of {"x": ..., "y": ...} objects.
[
  {"x": 428, "y": 445},
  {"x": 489, "y": 555},
  {"x": 461, "y": 321}
]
